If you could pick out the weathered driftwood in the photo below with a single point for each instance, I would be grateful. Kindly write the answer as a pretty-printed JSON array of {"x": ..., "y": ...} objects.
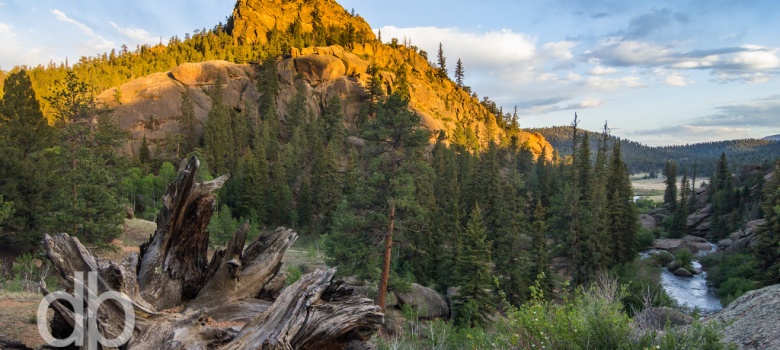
[{"x": 231, "y": 302}]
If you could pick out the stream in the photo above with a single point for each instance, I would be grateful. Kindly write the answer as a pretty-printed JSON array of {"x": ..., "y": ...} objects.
[{"x": 693, "y": 292}]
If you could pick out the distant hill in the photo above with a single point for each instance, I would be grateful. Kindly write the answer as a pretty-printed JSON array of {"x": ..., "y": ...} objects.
[
  {"x": 772, "y": 138},
  {"x": 643, "y": 158}
]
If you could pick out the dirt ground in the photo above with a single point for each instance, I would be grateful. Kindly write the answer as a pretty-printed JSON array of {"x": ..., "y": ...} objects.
[
  {"x": 17, "y": 318},
  {"x": 17, "y": 309}
]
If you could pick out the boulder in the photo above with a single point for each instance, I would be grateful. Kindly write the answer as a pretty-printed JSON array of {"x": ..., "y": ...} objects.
[
  {"x": 695, "y": 271},
  {"x": 129, "y": 212},
  {"x": 682, "y": 272},
  {"x": 317, "y": 69},
  {"x": 656, "y": 318},
  {"x": 647, "y": 221},
  {"x": 674, "y": 266},
  {"x": 723, "y": 244},
  {"x": 370, "y": 292},
  {"x": 427, "y": 302},
  {"x": 667, "y": 244},
  {"x": 752, "y": 321},
  {"x": 394, "y": 321},
  {"x": 696, "y": 244},
  {"x": 696, "y": 218},
  {"x": 659, "y": 214}
]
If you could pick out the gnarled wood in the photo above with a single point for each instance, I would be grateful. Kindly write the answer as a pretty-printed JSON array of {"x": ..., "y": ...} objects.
[
  {"x": 175, "y": 258},
  {"x": 235, "y": 299},
  {"x": 313, "y": 313}
]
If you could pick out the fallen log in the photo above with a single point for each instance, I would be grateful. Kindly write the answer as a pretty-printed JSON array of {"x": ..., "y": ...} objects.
[{"x": 179, "y": 300}]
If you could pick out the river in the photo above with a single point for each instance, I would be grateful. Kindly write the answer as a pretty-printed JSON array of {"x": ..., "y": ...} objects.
[{"x": 691, "y": 293}]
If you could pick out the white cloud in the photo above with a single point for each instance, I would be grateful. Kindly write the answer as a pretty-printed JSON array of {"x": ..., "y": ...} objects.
[
  {"x": 601, "y": 70},
  {"x": 137, "y": 35},
  {"x": 96, "y": 44},
  {"x": 62, "y": 17},
  {"x": 591, "y": 102},
  {"x": 675, "y": 79},
  {"x": 612, "y": 84},
  {"x": 750, "y": 63}
]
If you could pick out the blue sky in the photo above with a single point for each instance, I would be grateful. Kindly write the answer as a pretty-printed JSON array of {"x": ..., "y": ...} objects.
[{"x": 660, "y": 72}]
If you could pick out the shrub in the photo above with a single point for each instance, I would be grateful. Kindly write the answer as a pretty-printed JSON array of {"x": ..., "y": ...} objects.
[
  {"x": 734, "y": 287},
  {"x": 663, "y": 257},
  {"x": 684, "y": 257},
  {"x": 642, "y": 285},
  {"x": 294, "y": 273},
  {"x": 645, "y": 238},
  {"x": 732, "y": 274}
]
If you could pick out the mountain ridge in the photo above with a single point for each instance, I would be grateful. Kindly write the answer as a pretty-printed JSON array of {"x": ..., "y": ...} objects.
[
  {"x": 643, "y": 158},
  {"x": 147, "y": 106}
]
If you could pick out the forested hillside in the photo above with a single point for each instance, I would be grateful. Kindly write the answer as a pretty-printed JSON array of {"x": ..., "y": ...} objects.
[
  {"x": 402, "y": 177},
  {"x": 643, "y": 158}
]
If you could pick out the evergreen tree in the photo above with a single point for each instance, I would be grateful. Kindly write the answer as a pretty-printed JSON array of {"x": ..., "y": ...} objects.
[
  {"x": 88, "y": 205},
  {"x": 218, "y": 136},
  {"x": 459, "y": 73},
  {"x": 189, "y": 121},
  {"x": 473, "y": 266},
  {"x": 279, "y": 197},
  {"x": 144, "y": 154},
  {"x": 670, "y": 194},
  {"x": 251, "y": 184},
  {"x": 768, "y": 248},
  {"x": 26, "y": 176},
  {"x": 680, "y": 219},
  {"x": 622, "y": 213},
  {"x": 541, "y": 259},
  {"x": 442, "y": 63}
]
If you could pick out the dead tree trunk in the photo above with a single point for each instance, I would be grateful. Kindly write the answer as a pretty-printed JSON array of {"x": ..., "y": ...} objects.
[{"x": 232, "y": 302}]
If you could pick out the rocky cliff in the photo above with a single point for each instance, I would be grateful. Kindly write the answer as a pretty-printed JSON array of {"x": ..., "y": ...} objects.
[
  {"x": 255, "y": 20},
  {"x": 753, "y": 320},
  {"x": 151, "y": 106}
]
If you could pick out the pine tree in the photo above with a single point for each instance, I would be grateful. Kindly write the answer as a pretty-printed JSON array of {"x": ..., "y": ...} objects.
[
  {"x": 623, "y": 218},
  {"x": 459, "y": 73},
  {"x": 144, "y": 154},
  {"x": 680, "y": 223},
  {"x": 473, "y": 266},
  {"x": 26, "y": 176},
  {"x": 88, "y": 205},
  {"x": 189, "y": 121},
  {"x": 279, "y": 197},
  {"x": 670, "y": 194},
  {"x": 541, "y": 259},
  {"x": 442, "y": 63},
  {"x": 768, "y": 248}
]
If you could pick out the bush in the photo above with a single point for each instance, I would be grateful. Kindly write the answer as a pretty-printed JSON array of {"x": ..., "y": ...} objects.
[
  {"x": 663, "y": 257},
  {"x": 645, "y": 238},
  {"x": 642, "y": 286},
  {"x": 684, "y": 257},
  {"x": 732, "y": 274},
  {"x": 592, "y": 319},
  {"x": 294, "y": 273}
]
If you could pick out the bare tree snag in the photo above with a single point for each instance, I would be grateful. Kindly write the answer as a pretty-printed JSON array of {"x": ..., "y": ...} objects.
[
  {"x": 175, "y": 258},
  {"x": 235, "y": 301},
  {"x": 384, "y": 279},
  {"x": 313, "y": 313}
]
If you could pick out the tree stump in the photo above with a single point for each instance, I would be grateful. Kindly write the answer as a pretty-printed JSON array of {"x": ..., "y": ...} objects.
[{"x": 234, "y": 301}]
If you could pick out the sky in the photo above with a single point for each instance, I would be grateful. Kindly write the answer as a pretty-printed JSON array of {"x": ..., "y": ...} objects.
[{"x": 658, "y": 72}]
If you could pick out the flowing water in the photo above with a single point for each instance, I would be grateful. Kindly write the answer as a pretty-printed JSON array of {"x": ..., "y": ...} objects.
[{"x": 693, "y": 292}]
